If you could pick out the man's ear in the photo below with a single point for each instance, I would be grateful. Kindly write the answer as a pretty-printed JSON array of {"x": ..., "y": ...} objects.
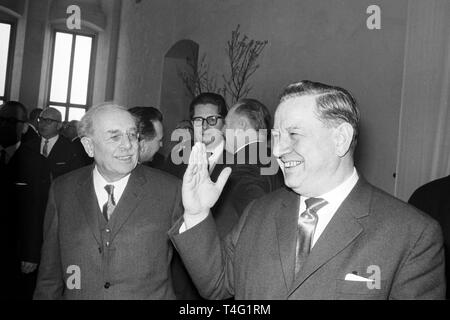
[
  {"x": 343, "y": 135},
  {"x": 88, "y": 146}
]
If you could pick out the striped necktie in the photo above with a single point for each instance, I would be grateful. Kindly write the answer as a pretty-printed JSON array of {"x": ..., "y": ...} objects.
[
  {"x": 45, "y": 148},
  {"x": 307, "y": 223},
  {"x": 109, "y": 205}
]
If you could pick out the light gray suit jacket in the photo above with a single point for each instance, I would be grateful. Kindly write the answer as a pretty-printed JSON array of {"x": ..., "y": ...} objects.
[
  {"x": 127, "y": 259},
  {"x": 370, "y": 232}
]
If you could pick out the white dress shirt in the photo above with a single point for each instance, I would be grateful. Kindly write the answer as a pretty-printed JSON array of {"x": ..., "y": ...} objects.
[
  {"x": 102, "y": 194},
  {"x": 50, "y": 144},
  {"x": 334, "y": 198}
]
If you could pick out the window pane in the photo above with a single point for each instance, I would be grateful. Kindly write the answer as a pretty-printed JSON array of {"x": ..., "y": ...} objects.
[
  {"x": 61, "y": 65},
  {"x": 5, "y": 32},
  {"x": 62, "y": 110},
  {"x": 76, "y": 113},
  {"x": 80, "y": 74}
]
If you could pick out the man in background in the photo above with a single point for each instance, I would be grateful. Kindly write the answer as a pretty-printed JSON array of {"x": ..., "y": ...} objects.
[
  {"x": 434, "y": 198},
  {"x": 37, "y": 163},
  {"x": 13, "y": 118},
  {"x": 207, "y": 112},
  {"x": 151, "y": 133},
  {"x": 32, "y": 132},
  {"x": 255, "y": 172}
]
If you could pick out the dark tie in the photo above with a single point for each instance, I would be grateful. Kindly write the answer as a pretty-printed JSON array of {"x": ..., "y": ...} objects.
[
  {"x": 45, "y": 148},
  {"x": 109, "y": 205},
  {"x": 307, "y": 223}
]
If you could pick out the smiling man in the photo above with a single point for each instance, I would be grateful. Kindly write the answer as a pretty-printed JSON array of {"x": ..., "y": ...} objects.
[
  {"x": 329, "y": 235},
  {"x": 105, "y": 230}
]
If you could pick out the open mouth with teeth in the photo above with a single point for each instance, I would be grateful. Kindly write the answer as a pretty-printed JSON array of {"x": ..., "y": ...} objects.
[
  {"x": 291, "y": 164},
  {"x": 125, "y": 158}
]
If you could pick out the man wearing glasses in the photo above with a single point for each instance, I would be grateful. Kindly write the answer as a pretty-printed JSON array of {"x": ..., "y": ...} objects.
[
  {"x": 105, "y": 229},
  {"x": 207, "y": 112}
]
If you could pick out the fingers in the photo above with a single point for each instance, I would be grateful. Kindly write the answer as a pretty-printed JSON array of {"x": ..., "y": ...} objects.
[
  {"x": 222, "y": 179},
  {"x": 28, "y": 267}
]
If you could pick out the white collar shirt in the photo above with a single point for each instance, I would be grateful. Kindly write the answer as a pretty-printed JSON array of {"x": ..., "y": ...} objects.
[{"x": 334, "y": 198}]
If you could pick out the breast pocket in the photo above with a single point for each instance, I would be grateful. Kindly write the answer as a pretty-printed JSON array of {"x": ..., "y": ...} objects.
[{"x": 359, "y": 290}]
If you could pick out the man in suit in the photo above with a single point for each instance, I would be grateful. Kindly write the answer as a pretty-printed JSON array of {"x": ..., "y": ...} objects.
[
  {"x": 32, "y": 132},
  {"x": 105, "y": 230},
  {"x": 328, "y": 235},
  {"x": 151, "y": 133},
  {"x": 254, "y": 172},
  {"x": 13, "y": 118},
  {"x": 37, "y": 163},
  {"x": 207, "y": 112},
  {"x": 433, "y": 198}
]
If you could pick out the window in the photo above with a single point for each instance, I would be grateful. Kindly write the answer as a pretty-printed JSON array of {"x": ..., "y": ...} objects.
[
  {"x": 6, "y": 54},
  {"x": 71, "y": 74}
]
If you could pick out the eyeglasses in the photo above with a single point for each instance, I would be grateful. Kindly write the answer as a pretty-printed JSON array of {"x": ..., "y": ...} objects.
[
  {"x": 47, "y": 120},
  {"x": 133, "y": 136},
  {"x": 211, "y": 120},
  {"x": 10, "y": 121}
]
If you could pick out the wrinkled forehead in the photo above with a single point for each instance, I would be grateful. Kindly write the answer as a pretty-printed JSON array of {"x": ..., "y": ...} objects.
[
  {"x": 113, "y": 120},
  {"x": 295, "y": 111}
]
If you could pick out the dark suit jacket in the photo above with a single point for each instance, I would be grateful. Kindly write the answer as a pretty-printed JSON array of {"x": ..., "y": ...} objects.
[
  {"x": 370, "y": 228},
  {"x": 9, "y": 234},
  {"x": 31, "y": 134},
  {"x": 434, "y": 199},
  {"x": 80, "y": 154},
  {"x": 33, "y": 176},
  {"x": 248, "y": 181},
  {"x": 132, "y": 260}
]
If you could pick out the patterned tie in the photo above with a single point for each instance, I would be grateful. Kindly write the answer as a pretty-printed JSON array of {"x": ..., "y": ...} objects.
[
  {"x": 109, "y": 205},
  {"x": 45, "y": 149},
  {"x": 307, "y": 223}
]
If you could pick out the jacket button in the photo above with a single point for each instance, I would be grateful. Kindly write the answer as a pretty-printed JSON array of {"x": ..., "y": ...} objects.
[
  {"x": 108, "y": 230},
  {"x": 107, "y": 285}
]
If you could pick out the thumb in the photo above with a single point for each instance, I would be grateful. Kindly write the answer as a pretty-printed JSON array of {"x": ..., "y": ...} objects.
[{"x": 223, "y": 177}]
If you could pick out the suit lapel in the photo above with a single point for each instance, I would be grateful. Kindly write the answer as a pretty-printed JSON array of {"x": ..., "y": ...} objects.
[
  {"x": 130, "y": 199},
  {"x": 88, "y": 200},
  {"x": 286, "y": 226},
  {"x": 342, "y": 230}
]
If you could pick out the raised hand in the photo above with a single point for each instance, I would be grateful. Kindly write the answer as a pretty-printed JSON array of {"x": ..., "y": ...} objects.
[{"x": 199, "y": 193}]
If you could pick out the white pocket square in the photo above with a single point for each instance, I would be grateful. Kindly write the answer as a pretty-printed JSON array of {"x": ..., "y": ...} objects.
[{"x": 354, "y": 277}]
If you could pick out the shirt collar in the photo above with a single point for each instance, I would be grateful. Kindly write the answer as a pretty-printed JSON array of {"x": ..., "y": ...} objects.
[
  {"x": 98, "y": 178},
  {"x": 51, "y": 140},
  {"x": 218, "y": 150},
  {"x": 336, "y": 196}
]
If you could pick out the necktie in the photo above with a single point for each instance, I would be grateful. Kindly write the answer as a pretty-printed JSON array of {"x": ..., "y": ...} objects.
[
  {"x": 210, "y": 166},
  {"x": 306, "y": 226},
  {"x": 2, "y": 157},
  {"x": 109, "y": 205},
  {"x": 45, "y": 148}
]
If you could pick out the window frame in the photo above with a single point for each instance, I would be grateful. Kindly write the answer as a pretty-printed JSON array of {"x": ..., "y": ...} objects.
[
  {"x": 67, "y": 105},
  {"x": 10, "y": 59}
]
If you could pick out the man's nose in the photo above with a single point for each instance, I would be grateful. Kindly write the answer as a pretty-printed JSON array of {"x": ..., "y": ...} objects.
[
  {"x": 281, "y": 146},
  {"x": 126, "y": 141},
  {"x": 205, "y": 125}
]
